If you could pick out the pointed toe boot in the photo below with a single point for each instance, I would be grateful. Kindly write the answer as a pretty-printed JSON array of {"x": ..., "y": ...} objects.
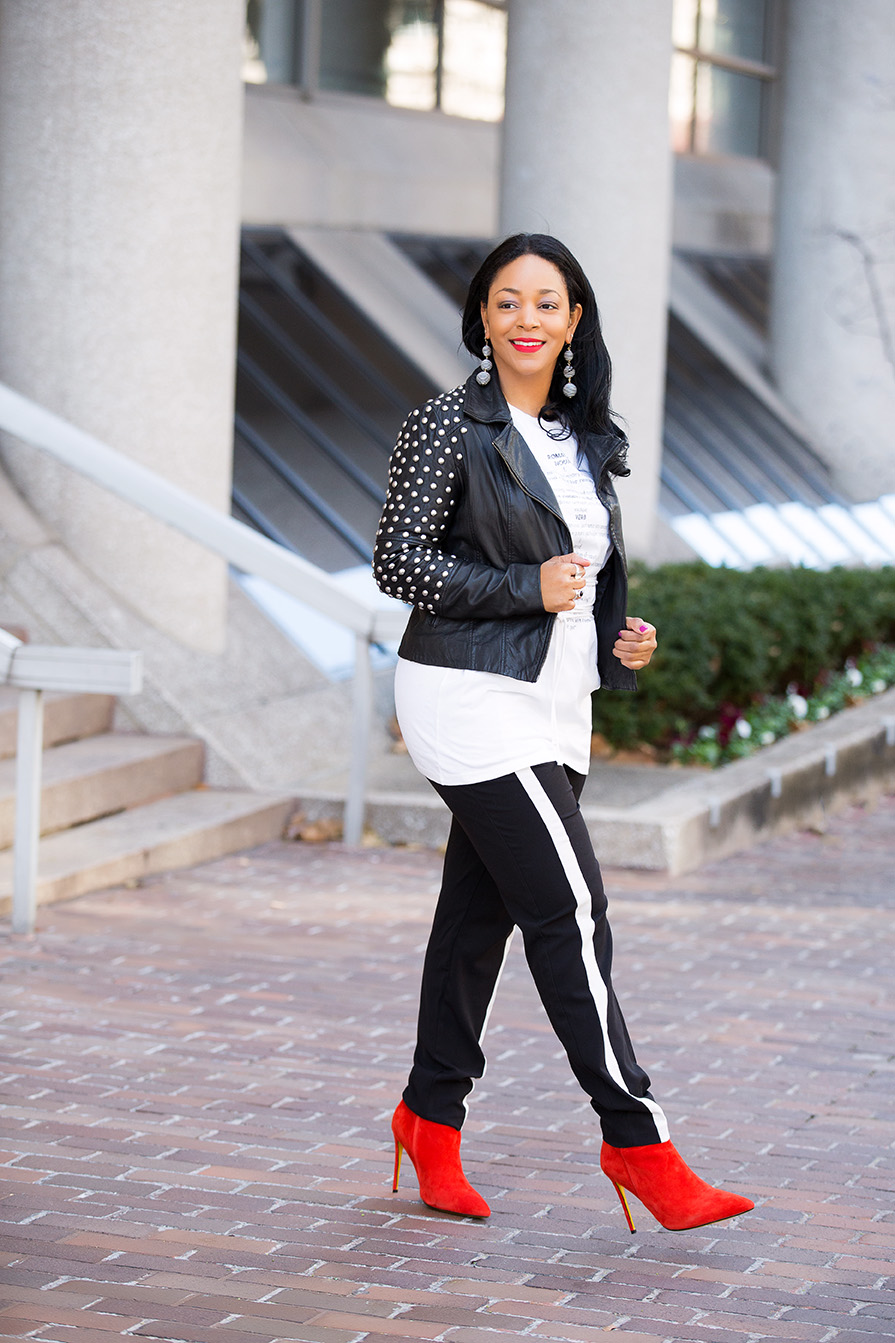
[
  {"x": 658, "y": 1175},
  {"x": 434, "y": 1150}
]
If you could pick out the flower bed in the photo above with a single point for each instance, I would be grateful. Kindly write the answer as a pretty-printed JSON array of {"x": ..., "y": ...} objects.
[{"x": 739, "y": 734}]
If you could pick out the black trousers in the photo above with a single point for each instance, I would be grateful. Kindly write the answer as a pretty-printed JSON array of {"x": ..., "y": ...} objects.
[{"x": 519, "y": 854}]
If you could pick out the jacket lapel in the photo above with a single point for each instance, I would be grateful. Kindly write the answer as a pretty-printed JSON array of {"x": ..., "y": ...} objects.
[
  {"x": 598, "y": 448},
  {"x": 488, "y": 405},
  {"x": 522, "y": 463}
]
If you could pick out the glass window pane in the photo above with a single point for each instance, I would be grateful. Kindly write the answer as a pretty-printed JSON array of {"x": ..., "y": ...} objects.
[
  {"x": 683, "y": 23},
  {"x": 734, "y": 28},
  {"x": 411, "y": 59},
  {"x": 355, "y": 38},
  {"x": 729, "y": 112},
  {"x": 273, "y": 29},
  {"x": 473, "y": 60},
  {"x": 254, "y": 71},
  {"x": 680, "y": 102},
  {"x": 381, "y": 48}
]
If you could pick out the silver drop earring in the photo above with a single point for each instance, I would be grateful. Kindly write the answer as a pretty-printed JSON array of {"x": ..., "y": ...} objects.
[
  {"x": 484, "y": 374},
  {"x": 568, "y": 373}
]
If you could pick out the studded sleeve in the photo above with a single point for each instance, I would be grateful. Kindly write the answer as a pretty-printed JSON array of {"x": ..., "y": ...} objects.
[{"x": 412, "y": 559}]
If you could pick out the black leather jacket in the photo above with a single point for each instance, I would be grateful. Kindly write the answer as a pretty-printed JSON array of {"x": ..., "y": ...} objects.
[{"x": 468, "y": 521}]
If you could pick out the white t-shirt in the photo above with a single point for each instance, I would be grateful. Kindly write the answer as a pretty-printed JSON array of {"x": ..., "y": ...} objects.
[{"x": 467, "y": 726}]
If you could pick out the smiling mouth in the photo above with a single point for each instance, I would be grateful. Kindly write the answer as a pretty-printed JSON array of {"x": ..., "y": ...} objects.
[{"x": 527, "y": 345}]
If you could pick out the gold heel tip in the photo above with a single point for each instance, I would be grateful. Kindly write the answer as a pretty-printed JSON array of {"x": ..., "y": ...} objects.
[
  {"x": 625, "y": 1208},
  {"x": 399, "y": 1152}
]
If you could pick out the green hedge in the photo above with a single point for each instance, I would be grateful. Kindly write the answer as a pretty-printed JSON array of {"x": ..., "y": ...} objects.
[{"x": 727, "y": 639}]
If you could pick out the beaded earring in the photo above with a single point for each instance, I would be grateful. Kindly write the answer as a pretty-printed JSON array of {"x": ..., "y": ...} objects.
[
  {"x": 484, "y": 374},
  {"x": 568, "y": 373}
]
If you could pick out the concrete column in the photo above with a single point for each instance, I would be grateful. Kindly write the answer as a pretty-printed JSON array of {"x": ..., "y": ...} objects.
[
  {"x": 586, "y": 157},
  {"x": 120, "y": 126},
  {"x": 833, "y": 300}
]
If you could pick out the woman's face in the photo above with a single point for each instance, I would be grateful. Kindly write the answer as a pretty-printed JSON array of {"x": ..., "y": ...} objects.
[{"x": 527, "y": 318}]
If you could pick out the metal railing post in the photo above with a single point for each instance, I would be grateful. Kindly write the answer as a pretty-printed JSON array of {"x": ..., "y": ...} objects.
[
  {"x": 240, "y": 545},
  {"x": 29, "y": 749},
  {"x": 361, "y": 723}
]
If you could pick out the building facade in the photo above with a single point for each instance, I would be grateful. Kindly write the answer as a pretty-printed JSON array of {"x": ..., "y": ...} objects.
[{"x": 135, "y": 140}]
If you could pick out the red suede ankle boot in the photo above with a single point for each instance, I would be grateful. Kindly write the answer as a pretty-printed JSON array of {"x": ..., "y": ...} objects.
[
  {"x": 658, "y": 1175},
  {"x": 434, "y": 1150}
]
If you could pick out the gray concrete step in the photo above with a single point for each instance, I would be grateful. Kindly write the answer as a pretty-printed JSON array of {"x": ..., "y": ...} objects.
[
  {"x": 172, "y": 832},
  {"x": 98, "y": 775},
  {"x": 66, "y": 717}
]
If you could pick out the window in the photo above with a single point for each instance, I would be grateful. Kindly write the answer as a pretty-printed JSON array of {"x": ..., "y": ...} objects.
[
  {"x": 273, "y": 42},
  {"x": 722, "y": 76},
  {"x": 473, "y": 60},
  {"x": 426, "y": 54}
]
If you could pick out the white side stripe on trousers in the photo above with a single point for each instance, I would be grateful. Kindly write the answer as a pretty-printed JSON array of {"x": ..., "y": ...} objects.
[{"x": 584, "y": 919}]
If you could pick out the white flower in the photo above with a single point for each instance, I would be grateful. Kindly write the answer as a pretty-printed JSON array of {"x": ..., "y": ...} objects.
[
  {"x": 878, "y": 686},
  {"x": 742, "y": 727},
  {"x": 823, "y": 711},
  {"x": 798, "y": 705},
  {"x": 853, "y": 676},
  {"x": 706, "y": 733},
  {"x": 767, "y": 737}
]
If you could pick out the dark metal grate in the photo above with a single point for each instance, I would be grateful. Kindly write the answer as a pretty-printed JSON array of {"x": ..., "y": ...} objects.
[
  {"x": 320, "y": 396},
  {"x": 743, "y": 283},
  {"x": 723, "y": 448}
]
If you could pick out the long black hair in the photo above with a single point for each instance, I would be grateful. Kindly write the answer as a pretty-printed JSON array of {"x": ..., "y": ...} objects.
[{"x": 589, "y": 410}]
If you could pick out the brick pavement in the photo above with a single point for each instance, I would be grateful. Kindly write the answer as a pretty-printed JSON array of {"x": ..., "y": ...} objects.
[{"x": 198, "y": 1075}]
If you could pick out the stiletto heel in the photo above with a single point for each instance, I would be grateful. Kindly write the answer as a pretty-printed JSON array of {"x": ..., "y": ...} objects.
[
  {"x": 625, "y": 1208},
  {"x": 434, "y": 1150},
  {"x": 659, "y": 1176}
]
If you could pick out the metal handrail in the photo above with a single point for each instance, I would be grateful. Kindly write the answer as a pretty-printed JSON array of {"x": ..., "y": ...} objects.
[
  {"x": 237, "y": 543},
  {"x": 32, "y": 670},
  {"x": 738, "y": 65}
]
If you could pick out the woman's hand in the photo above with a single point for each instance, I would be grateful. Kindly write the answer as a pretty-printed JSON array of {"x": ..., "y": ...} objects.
[
  {"x": 562, "y": 578},
  {"x": 635, "y": 645}
]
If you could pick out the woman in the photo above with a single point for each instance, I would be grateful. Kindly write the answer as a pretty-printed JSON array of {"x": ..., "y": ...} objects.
[{"x": 502, "y": 528}]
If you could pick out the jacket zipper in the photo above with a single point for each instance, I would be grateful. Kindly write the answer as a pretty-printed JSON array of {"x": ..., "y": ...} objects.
[
  {"x": 562, "y": 522},
  {"x": 559, "y": 519},
  {"x": 525, "y": 490}
]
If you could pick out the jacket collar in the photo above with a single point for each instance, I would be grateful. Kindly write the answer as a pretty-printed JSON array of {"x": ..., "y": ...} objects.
[{"x": 487, "y": 403}]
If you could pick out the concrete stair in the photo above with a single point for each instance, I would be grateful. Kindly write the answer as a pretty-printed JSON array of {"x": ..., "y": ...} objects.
[
  {"x": 118, "y": 806},
  {"x": 66, "y": 718}
]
